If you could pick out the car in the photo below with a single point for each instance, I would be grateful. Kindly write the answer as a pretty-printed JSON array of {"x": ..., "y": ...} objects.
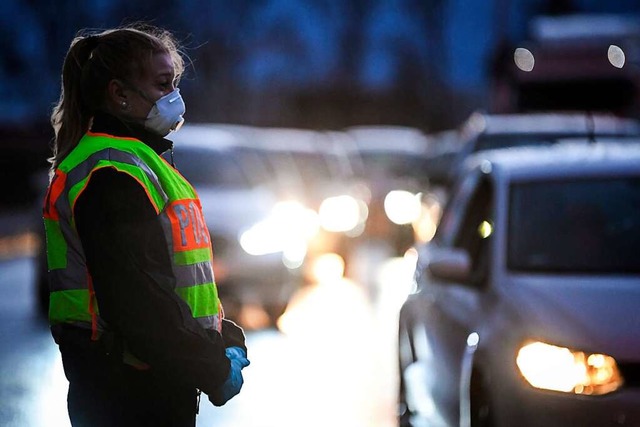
[
  {"x": 391, "y": 161},
  {"x": 305, "y": 169},
  {"x": 525, "y": 312},
  {"x": 392, "y": 165},
  {"x": 493, "y": 131}
]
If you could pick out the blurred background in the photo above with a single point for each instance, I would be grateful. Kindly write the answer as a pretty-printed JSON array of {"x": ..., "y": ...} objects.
[{"x": 327, "y": 130}]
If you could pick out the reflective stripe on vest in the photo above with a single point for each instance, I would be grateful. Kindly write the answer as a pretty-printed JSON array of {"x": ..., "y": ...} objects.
[{"x": 179, "y": 211}]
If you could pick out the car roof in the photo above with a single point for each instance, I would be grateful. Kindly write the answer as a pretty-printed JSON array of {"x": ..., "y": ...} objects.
[
  {"x": 563, "y": 159},
  {"x": 209, "y": 136},
  {"x": 293, "y": 140},
  {"x": 388, "y": 138},
  {"x": 556, "y": 123}
]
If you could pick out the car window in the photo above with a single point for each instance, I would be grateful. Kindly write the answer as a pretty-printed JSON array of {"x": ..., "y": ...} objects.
[
  {"x": 210, "y": 168},
  {"x": 582, "y": 226},
  {"x": 454, "y": 210},
  {"x": 476, "y": 229}
]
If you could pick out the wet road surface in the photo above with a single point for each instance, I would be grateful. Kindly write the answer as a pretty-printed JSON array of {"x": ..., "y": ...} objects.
[{"x": 331, "y": 363}]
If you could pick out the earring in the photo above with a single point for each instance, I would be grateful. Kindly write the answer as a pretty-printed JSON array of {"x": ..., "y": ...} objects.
[{"x": 124, "y": 105}]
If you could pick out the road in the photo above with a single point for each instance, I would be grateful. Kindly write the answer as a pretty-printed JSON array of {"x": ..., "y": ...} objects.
[{"x": 331, "y": 362}]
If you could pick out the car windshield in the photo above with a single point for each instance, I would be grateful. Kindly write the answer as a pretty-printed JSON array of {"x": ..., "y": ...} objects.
[
  {"x": 391, "y": 164},
  {"x": 583, "y": 226},
  {"x": 210, "y": 168},
  {"x": 313, "y": 168}
]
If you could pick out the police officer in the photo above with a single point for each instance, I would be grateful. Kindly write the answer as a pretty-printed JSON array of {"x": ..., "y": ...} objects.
[{"x": 133, "y": 303}]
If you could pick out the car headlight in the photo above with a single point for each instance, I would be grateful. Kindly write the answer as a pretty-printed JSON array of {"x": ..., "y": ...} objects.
[
  {"x": 289, "y": 227},
  {"x": 341, "y": 213},
  {"x": 550, "y": 367},
  {"x": 402, "y": 207}
]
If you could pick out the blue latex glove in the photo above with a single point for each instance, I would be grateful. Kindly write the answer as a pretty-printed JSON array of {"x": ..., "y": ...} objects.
[
  {"x": 231, "y": 387},
  {"x": 235, "y": 352}
]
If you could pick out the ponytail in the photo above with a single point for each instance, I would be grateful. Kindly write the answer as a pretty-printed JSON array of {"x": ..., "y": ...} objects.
[{"x": 71, "y": 116}]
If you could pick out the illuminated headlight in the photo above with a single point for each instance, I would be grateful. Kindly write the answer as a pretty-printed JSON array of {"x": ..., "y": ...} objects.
[
  {"x": 294, "y": 220},
  {"x": 561, "y": 369},
  {"x": 402, "y": 207},
  {"x": 261, "y": 239},
  {"x": 340, "y": 213},
  {"x": 290, "y": 225}
]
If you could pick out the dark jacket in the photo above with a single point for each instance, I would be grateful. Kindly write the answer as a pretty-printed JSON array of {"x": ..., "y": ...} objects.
[{"x": 127, "y": 257}]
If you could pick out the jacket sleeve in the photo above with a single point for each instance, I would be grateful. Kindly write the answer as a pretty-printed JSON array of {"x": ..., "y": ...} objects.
[
  {"x": 233, "y": 335},
  {"x": 128, "y": 259}
]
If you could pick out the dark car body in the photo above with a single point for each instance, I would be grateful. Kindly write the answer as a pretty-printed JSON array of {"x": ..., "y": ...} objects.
[{"x": 537, "y": 249}]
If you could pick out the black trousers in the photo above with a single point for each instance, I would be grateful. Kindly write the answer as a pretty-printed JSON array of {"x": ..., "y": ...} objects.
[{"x": 105, "y": 392}]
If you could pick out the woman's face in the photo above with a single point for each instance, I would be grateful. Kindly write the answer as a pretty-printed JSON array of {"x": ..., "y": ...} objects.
[{"x": 156, "y": 82}]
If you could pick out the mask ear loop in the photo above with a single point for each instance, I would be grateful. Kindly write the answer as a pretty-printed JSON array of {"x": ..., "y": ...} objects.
[{"x": 126, "y": 84}]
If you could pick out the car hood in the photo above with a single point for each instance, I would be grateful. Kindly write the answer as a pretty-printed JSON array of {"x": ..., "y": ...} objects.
[
  {"x": 599, "y": 314},
  {"x": 233, "y": 210}
]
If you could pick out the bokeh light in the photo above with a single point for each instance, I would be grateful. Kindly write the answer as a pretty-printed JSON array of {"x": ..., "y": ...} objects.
[
  {"x": 616, "y": 56},
  {"x": 524, "y": 59}
]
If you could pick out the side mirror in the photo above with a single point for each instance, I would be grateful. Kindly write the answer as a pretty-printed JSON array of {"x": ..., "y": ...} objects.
[{"x": 450, "y": 264}]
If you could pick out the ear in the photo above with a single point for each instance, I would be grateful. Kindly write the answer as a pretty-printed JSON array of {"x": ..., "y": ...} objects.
[{"x": 116, "y": 92}]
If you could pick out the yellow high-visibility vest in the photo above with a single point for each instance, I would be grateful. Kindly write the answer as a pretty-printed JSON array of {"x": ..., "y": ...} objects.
[{"x": 178, "y": 207}]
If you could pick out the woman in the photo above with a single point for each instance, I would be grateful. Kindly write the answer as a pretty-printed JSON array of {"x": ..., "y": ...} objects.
[{"x": 133, "y": 303}]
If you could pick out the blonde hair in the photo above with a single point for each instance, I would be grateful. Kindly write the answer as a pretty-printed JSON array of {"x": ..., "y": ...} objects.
[{"x": 92, "y": 61}]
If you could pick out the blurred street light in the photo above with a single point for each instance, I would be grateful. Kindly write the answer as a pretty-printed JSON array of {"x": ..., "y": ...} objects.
[
  {"x": 524, "y": 59},
  {"x": 616, "y": 56}
]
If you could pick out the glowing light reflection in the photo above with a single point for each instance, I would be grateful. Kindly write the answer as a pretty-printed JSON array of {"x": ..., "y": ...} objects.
[
  {"x": 425, "y": 226},
  {"x": 395, "y": 280},
  {"x": 50, "y": 403},
  {"x": 328, "y": 268},
  {"x": 485, "y": 229},
  {"x": 473, "y": 339},
  {"x": 288, "y": 228}
]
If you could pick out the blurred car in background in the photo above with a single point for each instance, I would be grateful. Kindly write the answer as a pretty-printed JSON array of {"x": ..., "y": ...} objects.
[
  {"x": 526, "y": 309},
  {"x": 493, "y": 131},
  {"x": 305, "y": 169},
  {"x": 443, "y": 150},
  {"x": 392, "y": 162},
  {"x": 403, "y": 204}
]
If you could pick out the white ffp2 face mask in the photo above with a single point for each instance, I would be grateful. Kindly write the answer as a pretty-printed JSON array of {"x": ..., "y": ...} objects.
[{"x": 166, "y": 114}]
